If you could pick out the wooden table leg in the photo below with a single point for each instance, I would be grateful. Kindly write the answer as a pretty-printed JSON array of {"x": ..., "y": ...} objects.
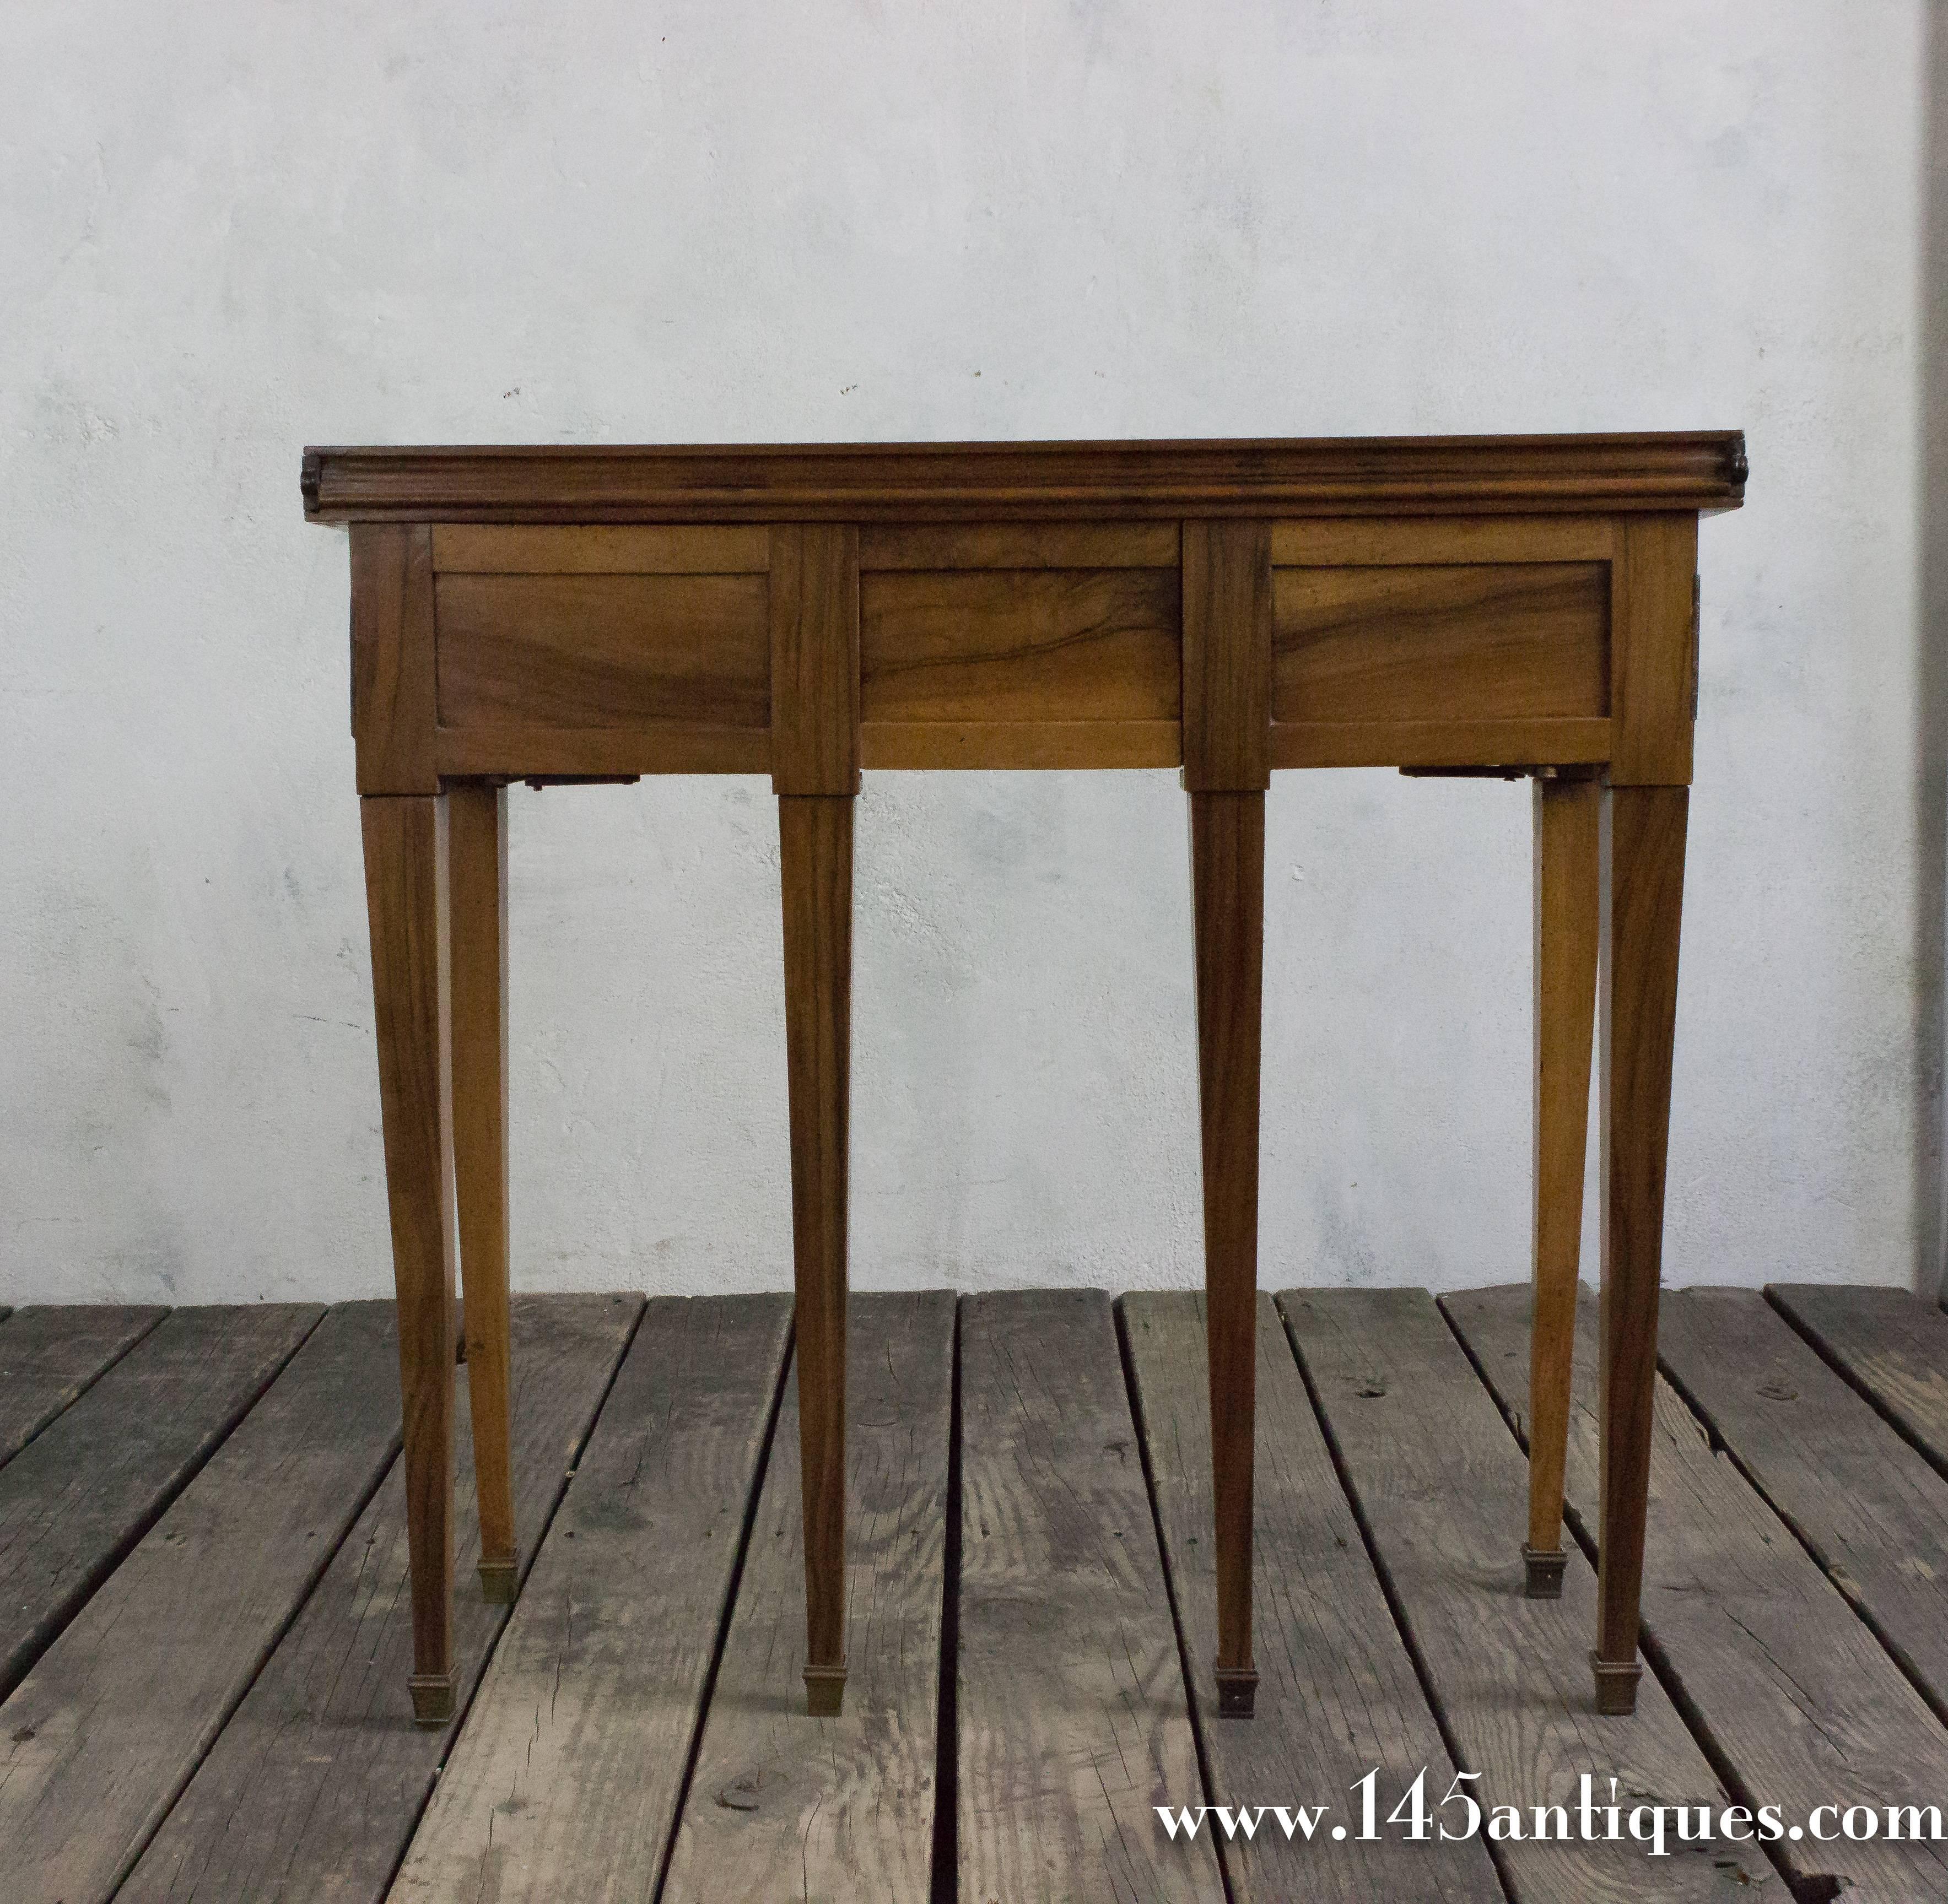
[
  {"x": 815, "y": 855},
  {"x": 478, "y": 855},
  {"x": 1568, "y": 814},
  {"x": 1227, "y": 857},
  {"x": 1639, "y": 1013},
  {"x": 406, "y": 902}
]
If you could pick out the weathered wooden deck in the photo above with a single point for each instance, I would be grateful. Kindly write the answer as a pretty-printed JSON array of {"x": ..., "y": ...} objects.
[{"x": 204, "y": 1634}]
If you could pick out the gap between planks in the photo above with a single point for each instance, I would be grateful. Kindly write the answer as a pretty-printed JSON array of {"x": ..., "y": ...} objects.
[
  {"x": 1785, "y": 1686},
  {"x": 312, "y": 1790}
]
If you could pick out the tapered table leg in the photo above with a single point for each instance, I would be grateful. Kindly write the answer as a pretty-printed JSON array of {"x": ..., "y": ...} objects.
[
  {"x": 406, "y": 900},
  {"x": 815, "y": 854},
  {"x": 1227, "y": 857},
  {"x": 1567, "y": 816},
  {"x": 478, "y": 856},
  {"x": 1640, "y": 1013}
]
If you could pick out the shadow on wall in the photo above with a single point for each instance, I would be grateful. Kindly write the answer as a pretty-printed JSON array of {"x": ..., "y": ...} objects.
[{"x": 1931, "y": 699}]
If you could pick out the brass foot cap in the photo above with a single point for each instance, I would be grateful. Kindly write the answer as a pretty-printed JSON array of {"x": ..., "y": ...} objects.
[
  {"x": 1237, "y": 1692},
  {"x": 497, "y": 1583},
  {"x": 432, "y": 1698},
  {"x": 824, "y": 1690},
  {"x": 1545, "y": 1572},
  {"x": 1616, "y": 1686}
]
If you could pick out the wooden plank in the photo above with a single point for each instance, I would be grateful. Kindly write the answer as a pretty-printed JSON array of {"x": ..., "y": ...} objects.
[
  {"x": 78, "y": 1497},
  {"x": 1786, "y": 1684},
  {"x": 1018, "y": 744},
  {"x": 501, "y": 550},
  {"x": 1488, "y": 641},
  {"x": 1653, "y": 664},
  {"x": 814, "y": 659},
  {"x": 1873, "y": 1511},
  {"x": 392, "y": 674},
  {"x": 1355, "y": 542},
  {"x": 313, "y": 1788},
  {"x": 565, "y": 1779},
  {"x": 1072, "y": 1719},
  {"x": 1227, "y": 656},
  {"x": 49, "y": 1354},
  {"x": 1441, "y": 1488},
  {"x": 1337, "y": 1693},
  {"x": 1015, "y": 545},
  {"x": 100, "y": 1737},
  {"x": 1891, "y": 1344},
  {"x": 521, "y": 750},
  {"x": 1439, "y": 743},
  {"x": 603, "y": 651},
  {"x": 783, "y": 1805},
  {"x": 1019, "y": 645}
]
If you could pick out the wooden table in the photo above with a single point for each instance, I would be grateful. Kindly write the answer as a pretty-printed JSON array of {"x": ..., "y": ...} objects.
[{"x": 1519, "y": 605}]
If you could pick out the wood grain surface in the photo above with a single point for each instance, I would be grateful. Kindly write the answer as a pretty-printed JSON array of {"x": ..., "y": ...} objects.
[
  {"x": 1439, "y": 743},
  {"x": 100, "y": 1738},
  {"x": 1337, "y": 1695},
  {"x": 1364, "y": 542},
  {"x": 1567, "y": 863},
  {"x": 406, "y": 906},
  {"x": 468, "y": 549},
  {"x": 1438, "y": 1483},
  {"x": 1645, "y": 839},
  {"x": 899, "y": 482},
  {"x": 1785, "y": 1681},
  {"x": 1872, "y": 1509},
  {"x": 1228, "y": 656},
  {"x": 1486, "y": 641},
  {"x": 50, "y": 1353},
  {"x": 1018, "y": 545},
  {"x": 80, "y": 1495},
  {"x": 1228, "y": 885},
  {"x": 1021, "y": 644},
  {"x": 1889, "y": 1343},
  {"x": 814, "y": 612},
  {"x": 603, "y": 650},
  {"x": 477, "y": 861},
  {"x": 312, "y": 1790},
  {"x": 1655, "y": 662},
  {"x": 393, "y": 677},
  {"x": 1072, "y": 1714},
  {"x": 815, "y": 872},
  {"x": 783, "y": 1805},
  {"x": 565, "y": 1778}
]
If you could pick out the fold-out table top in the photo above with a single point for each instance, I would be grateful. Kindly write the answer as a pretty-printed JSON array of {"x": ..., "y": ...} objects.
[{"x": 1698, "y": 470}]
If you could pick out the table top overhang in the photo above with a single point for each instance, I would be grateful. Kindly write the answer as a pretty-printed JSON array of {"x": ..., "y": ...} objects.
[{"x": 1688, "y": 470}]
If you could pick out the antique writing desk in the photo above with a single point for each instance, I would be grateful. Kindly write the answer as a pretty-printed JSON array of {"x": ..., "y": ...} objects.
[{"x": 1460, "y": 604}]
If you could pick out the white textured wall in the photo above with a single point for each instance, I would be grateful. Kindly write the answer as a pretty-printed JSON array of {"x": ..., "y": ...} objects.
[{"x": 229, "y": 229}]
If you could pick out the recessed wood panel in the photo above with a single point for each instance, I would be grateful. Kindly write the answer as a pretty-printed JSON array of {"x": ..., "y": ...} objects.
[
  {"x": 603, "y": 650},
  {"x": 1015, "y": 644},
  {"x": 1485, "y": 641}
]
